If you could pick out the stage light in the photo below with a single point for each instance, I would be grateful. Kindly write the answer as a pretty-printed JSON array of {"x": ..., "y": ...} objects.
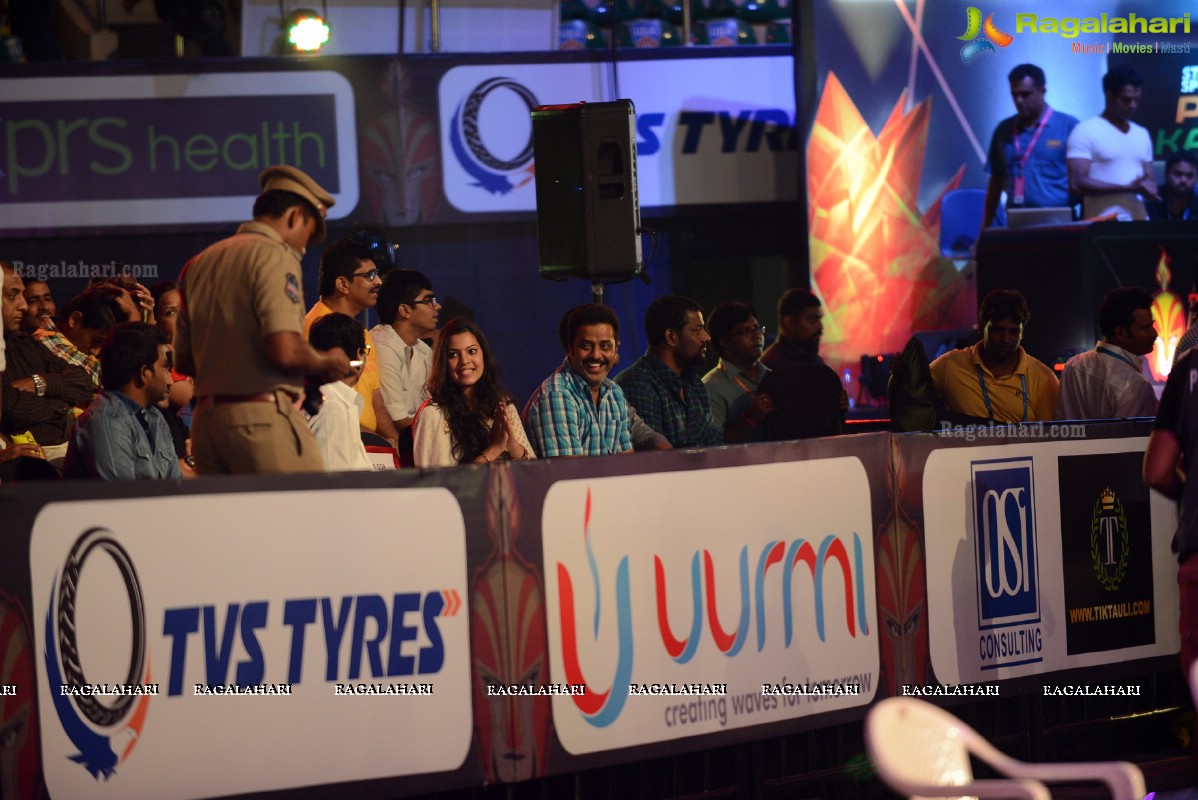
[{"x": 305, "y": 30}]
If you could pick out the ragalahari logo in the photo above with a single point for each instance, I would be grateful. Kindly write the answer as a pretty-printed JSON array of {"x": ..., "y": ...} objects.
[{"x": 990, "y": 35}]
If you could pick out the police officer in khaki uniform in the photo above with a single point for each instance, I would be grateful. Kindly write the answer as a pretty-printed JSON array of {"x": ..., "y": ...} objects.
[{"x": 240, "y": 333}]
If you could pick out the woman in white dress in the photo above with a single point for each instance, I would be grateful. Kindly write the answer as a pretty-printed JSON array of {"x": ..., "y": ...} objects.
[{"x": 469, "y": 417}]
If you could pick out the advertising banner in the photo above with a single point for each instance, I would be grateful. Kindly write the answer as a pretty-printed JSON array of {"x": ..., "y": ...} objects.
[
  {"x": 714, "y": 131},
  {"x": 1058, "y": 555},
  {"x": 397, "y": 141},
  {"x": 1106, "y": 546},
  {"x": 709, "y": 130},
  {"x": 486, "y": 128},
  {"x": 480, "y": 625},
  {"x": 689, "y": 619},
  {"x": 168, "y": 149},
  {"x": 153, "y": 673}
]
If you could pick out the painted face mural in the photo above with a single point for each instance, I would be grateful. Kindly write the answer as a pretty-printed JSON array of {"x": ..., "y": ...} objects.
[
  {"x": 18, "y": 717},
  {"x": 507, "y": 627},
  {"x": 902, "y": 593}
]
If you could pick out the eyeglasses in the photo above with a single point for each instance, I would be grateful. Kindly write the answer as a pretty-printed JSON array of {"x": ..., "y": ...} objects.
[
  {"x": 371, "y": 275},
  {"x": 431, "y": 300},
  {"x": 754, "y": 332}
]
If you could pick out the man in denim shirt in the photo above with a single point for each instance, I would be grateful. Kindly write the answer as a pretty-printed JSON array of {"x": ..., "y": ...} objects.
[{"x": 122, "y": 436}]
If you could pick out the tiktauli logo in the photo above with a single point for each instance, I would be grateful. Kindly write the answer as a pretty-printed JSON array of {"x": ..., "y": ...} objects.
[
  {"x": 990, "y": 35},
  {"x": 491, "y": 172},
  {"x": 105, "y": 733}
]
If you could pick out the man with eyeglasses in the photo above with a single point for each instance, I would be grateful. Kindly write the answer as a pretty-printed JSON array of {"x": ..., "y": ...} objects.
[
  {"x": 349, "y": 284},
  {"x": 662, "y": 385},
  {"x": 408, "y": 314},
  {"x": 121, "y": 435},
  {"x": 240, "y": 333},
  {"x": 737, "y": 408}
]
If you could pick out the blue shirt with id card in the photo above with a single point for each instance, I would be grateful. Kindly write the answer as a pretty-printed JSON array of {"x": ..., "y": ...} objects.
[{"x": 1032, "y": 160}]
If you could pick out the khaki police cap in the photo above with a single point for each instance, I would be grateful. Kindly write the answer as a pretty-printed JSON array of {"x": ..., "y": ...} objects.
[{"x": 290, "y": 179}]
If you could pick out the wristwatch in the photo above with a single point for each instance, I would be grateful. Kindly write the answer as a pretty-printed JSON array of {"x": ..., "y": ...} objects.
[{"x": 40, "y": 384}]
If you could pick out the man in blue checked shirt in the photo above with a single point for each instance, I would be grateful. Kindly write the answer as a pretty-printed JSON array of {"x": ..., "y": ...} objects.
[
  {"x": 663, "y": 385},
  {"x": 578, "y": 410}
]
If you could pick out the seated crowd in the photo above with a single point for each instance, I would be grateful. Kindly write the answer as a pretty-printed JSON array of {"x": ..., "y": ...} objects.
[
  {"x": 93, "y": 390},
  {"x": 121, "y": 381}
]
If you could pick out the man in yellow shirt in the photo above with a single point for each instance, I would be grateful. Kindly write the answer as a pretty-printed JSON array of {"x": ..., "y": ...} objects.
[
  {"x": 349, "y": 284},
  {"x": 996, "y": 379}
]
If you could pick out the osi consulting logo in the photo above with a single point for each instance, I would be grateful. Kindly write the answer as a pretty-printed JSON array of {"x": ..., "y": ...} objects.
[{"x": 1007, "y": 562}]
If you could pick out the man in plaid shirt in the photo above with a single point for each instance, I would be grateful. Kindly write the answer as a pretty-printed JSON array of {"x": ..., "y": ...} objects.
[
  {"x": 86, "y": 321},
  {"x": 662, "y": 385},
  {"x": 578, "y": 410}
]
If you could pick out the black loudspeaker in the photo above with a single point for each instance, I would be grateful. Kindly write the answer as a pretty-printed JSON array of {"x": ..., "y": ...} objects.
[{"x": 588, "y": 215}]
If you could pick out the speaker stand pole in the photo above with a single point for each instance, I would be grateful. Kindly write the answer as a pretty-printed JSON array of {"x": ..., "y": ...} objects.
[{"x": 597, "y": 293}]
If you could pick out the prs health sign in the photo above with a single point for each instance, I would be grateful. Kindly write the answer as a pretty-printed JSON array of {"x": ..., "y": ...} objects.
[{"x": 168, "y": 149}]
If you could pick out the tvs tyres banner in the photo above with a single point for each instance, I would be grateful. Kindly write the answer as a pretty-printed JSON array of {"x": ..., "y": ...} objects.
[{"x": 155, "y": 679}]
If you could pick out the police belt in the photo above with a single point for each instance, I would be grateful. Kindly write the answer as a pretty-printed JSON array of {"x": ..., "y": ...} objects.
[{"x": 261, "y": 397}]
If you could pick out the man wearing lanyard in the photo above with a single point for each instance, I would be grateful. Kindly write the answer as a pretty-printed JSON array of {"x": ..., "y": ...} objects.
[
  {"x": 1027, "y": 151},
  {"x": 1178, "y": 200},
  {"x": 1108, "y": 382},
  {"x": 996, "y": 379}
]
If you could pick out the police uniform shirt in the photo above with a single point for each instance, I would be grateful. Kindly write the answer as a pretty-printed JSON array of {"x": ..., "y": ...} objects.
[{"x": 235, "y": 294}]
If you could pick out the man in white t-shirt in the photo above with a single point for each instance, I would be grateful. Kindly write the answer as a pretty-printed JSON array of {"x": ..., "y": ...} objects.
[
  {"x": 408, "y": 313},
  {"x": 1109, "y": 156},
  {"x": 336, "y": 426}
]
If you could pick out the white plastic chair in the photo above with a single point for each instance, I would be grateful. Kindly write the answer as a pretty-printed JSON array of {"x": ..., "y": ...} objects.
[{"x": 922, "y": 751}]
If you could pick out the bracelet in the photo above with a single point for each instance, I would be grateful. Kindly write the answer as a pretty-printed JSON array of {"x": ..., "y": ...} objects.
[
  {"x": 484, "y": 455},
  {"x": 745, "y": 416}
]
